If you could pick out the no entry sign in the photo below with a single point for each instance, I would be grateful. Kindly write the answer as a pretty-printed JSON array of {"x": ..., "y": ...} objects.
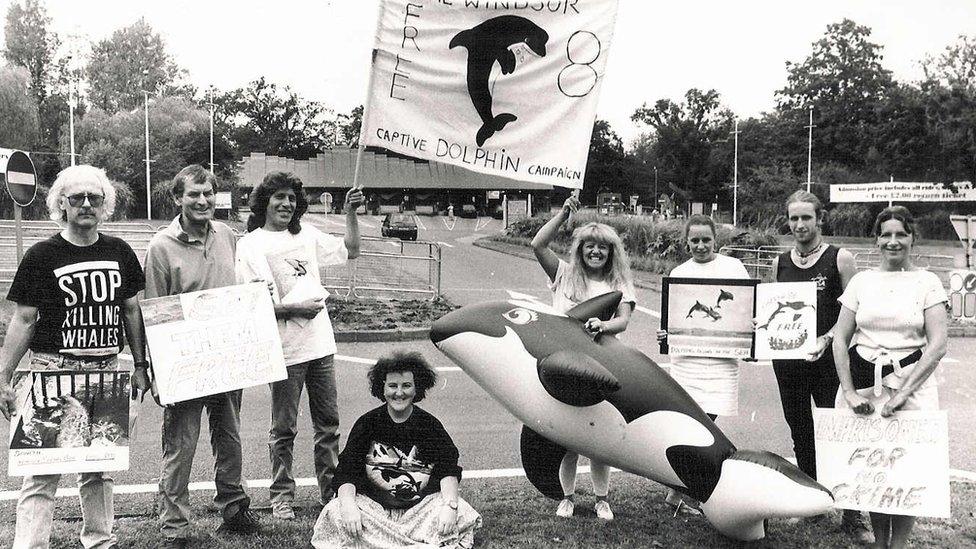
[{"x": 19, "y": 176}]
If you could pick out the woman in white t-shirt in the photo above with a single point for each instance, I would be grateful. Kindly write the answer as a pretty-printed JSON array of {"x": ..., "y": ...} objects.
[
  {"x": 597, "y": 265},
  {"x": 712, "y": 382},
  {"x": 897, "y": 318}
]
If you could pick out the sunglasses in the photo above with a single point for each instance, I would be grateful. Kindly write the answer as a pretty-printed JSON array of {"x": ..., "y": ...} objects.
[{"x": 76, "y": 200}]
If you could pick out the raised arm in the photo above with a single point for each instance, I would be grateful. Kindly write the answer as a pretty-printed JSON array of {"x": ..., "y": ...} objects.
[
  {"x": 540, "y": 243},
  {"x": 354, "y": 199}
]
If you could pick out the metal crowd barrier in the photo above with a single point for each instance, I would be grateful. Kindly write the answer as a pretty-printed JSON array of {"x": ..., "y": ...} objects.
[
  {"x": 758, "y": 261},
  {"x": 385, "y": 267}
]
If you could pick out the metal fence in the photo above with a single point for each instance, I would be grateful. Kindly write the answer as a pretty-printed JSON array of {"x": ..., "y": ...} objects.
[
  {"x": 385, "y": 267},
  {"x": 759, "y": 261}
]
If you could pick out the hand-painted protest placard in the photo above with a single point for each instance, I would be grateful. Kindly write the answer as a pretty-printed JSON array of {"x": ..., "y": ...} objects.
[
  {"x": 786, "y": 320},
  {"x": 897, "y": 465},
  {"x": 505, "y": 88},
  {"x": 70, "y": 421},
  {"x": 213, "y": 341}
]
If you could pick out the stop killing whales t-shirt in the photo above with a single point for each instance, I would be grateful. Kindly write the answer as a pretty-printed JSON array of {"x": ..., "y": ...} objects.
[{"x": 79, "y": 292}]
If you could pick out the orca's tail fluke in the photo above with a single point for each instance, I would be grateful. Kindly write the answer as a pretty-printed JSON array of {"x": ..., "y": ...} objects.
[
  {"x": 541, "y": 458},
  {"x": 755, "y": 486},
  {"x": 489, "y": 128}
]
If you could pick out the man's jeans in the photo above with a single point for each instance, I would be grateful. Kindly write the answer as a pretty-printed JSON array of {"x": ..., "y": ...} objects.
[
  {"x": 181, "y": 429},
  {"x": 35, "y": 511},
  {"x": 319, "y": 376}
]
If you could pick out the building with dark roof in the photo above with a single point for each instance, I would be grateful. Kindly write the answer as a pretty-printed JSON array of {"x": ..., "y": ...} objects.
[{"x": 394, "y": 182}]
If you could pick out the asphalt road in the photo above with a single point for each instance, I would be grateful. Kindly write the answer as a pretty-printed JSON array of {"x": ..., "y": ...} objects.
[{"x": 486, "y": 434}]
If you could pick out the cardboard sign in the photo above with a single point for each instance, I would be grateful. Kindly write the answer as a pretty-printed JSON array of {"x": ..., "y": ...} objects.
[
  {"x": 897, "y": 465},
  {"x": 70, "y": 421},
  {"x": 786, "y": 316},
  {"x": 213, "y": 341},
  {"x": 502, "y": 88}
]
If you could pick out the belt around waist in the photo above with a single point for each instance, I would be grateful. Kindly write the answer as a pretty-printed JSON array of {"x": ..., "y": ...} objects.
[{"x": 862, "y": 370}]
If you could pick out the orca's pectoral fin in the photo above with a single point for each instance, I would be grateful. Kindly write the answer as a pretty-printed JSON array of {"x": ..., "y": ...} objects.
[
  {"x": 507, "y": 61},
  {"x": 489, "y": 128},
  {"x": 576, "y": 379},
  {"x": 601, "y": 306},
  {"x": 540, "y": 459}
]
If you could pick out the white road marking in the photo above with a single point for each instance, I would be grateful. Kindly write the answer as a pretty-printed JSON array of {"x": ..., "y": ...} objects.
[
  {"x": 12, "y": 495},
  {"x": 420, "y": 224},
  {"x": 449, "y": 226},
  {"x": 370, "y": 362},
  {"x": 446, "y": 244},
  {"x": 478, "y": 226},
  {"x": 524, "y": 297},
  {"x": 647, "y": 311}
]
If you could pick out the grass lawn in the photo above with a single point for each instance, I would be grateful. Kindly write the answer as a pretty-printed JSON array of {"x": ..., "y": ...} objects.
[{"x": 516, "y": 516}]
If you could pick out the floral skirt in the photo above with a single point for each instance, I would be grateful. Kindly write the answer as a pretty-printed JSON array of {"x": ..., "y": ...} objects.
[{"x": 413, "y": 528}]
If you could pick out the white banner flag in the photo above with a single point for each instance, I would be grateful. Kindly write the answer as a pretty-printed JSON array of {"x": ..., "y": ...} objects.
[{"x": 507, "y": 88}]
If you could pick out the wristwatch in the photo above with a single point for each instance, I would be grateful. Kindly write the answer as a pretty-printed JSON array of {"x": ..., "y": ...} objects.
[
  {"x": 144, "y": 364},
  {"x": 452, "y": 504}
]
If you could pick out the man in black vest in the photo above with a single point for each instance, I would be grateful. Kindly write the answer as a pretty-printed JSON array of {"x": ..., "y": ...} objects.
[{"x": 812, "y": 259}]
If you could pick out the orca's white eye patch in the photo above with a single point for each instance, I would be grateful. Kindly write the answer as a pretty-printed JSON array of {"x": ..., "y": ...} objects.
[{"x": 521, "y": 316}]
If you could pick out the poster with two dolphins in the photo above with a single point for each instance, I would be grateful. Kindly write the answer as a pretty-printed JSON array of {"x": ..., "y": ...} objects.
[{"x": 507, "y": 88}]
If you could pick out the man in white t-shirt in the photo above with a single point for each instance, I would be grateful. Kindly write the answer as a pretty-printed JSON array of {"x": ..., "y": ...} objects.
[{"x": 288, "y": 255}]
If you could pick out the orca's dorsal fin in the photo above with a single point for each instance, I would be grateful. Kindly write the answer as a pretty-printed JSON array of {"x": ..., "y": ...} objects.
[
  {"x": 576, "y": 379},
  {"x": 601, "y": 306},
  {"x": 540, "y": 460}
]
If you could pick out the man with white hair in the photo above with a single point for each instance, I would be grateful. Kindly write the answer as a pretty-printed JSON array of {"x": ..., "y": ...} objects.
[{"x": 77, "y": 302}]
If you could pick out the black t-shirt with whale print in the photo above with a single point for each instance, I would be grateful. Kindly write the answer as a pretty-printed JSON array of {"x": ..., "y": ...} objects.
[
  {"x": 78, "y": 292},
  {"x": 397, "y": 464}
]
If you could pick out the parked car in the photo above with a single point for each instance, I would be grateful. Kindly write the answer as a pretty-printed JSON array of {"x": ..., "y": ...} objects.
[
  {"x": 399, "y": 226},
  {"x": 468, "y": 210}
]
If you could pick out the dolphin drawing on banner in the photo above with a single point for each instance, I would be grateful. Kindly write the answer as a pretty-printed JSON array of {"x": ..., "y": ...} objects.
[
  {"x": 490, "y": 42},
  {"x": 603, "y": 399}
]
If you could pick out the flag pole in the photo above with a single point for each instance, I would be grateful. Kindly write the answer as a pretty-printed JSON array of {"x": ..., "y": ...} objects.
[{"x": 369, "y": 93}]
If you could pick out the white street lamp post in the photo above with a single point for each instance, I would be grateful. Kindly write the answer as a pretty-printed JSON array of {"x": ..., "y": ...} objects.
[
  {"x": 148, "y": 184},
  {"x": 735, "y": 177},
  {"x": 810, "y": 127}
]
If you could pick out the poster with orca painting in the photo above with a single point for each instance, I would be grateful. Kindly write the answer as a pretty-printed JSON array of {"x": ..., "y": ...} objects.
[
  {"x": 502, "y": 88},
  {"x": 709, "y": 317},
  {"x": 786, "y": 320}
]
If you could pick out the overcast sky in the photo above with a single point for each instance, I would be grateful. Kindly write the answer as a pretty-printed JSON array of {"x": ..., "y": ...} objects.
[{"x": 660, "y": 49}]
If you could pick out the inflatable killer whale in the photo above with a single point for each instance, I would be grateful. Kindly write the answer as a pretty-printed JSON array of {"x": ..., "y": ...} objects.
[{"x": 603, "y": 399}]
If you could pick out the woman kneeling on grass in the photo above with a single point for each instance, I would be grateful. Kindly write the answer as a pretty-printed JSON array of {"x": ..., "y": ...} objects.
[{"x": 397, "y": 480}]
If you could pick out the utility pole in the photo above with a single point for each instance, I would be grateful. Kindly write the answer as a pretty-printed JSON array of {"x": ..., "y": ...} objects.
[
  {"x": 810, "y": 127},
  {"x": 145, "y": 95},
  {"x": 735, "y": 177},
  {"x": 655, "y": 188},
  {"x": 210, "y": 94},
  {"x": 72, "y": 102}
]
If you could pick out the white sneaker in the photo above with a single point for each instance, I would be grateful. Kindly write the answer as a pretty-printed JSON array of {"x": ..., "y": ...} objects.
[
  {"x": 603, "y": 511},
  {"x": 282, "y": 510},
  {"x": 566, "y": 508}
]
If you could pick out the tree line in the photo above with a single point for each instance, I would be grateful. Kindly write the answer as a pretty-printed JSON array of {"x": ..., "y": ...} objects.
[
  {"x": 868, "y": 125},
  {"x": 110, "y": 80}
]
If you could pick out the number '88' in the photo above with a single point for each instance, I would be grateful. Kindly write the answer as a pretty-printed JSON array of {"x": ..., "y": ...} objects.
[{"x": 578, "y": 78}]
